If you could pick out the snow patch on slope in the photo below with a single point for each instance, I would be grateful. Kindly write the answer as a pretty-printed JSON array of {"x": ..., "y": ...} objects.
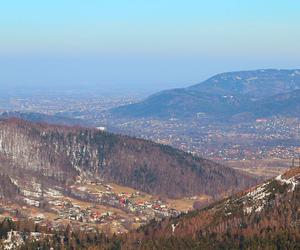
[
  {"x": 257, "y": 198},
  {"x": 291, "y": 181}
]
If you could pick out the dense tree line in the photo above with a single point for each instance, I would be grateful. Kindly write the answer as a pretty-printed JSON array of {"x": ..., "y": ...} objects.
[
  {"x": 61, "y": 153},
  {"x": 67, "y": 239}
]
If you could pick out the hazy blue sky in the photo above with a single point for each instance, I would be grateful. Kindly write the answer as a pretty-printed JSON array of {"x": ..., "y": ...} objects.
[{"x": 143, "y": 44}]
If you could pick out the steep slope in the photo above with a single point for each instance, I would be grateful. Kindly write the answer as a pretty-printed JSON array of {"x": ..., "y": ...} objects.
[
  {"x": 183, "y": 103},
  {"x": 264, "y": 217},
  {"x": 281, "y": 104},
  {"x": 62, "y": 153},
  {"x": 221, "y": 96},
  {"x": 7, "y": 188}
]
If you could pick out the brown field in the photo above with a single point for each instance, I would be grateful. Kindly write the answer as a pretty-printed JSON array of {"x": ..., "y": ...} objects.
[
  {"x": 265, "y": 168},
  {"x": 186, "y": 204}
]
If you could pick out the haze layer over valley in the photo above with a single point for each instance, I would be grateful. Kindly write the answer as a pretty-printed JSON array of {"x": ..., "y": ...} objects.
[{"x": 258, "y": 131}]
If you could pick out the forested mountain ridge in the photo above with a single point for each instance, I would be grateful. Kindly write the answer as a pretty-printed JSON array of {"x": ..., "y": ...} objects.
[
  {"x": 223, "y": 96},
  {"x": 62, "y": 153},
  {"x": 264, "y": 217},
  {"x": 257, "y": 84}
]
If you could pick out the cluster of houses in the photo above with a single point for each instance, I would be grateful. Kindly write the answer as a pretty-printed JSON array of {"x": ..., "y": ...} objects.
[
  {"x": 138, "y": 210},
  {"x": 131, "y": 202},
  {"x": 91, "y": 204},
  {"x": 86, "y": 215}
]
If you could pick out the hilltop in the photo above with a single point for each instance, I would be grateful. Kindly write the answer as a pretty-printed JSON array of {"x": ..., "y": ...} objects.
[
  {"x": 223, "y": 96},
  {"x": 61, "y": 154}
]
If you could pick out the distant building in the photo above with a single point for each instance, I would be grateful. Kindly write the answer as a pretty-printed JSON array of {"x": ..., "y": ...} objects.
[
  {"x": 200, "y": 114},
  {"x": 101, "y": 128},
  {"x": 260, "y": 120}
]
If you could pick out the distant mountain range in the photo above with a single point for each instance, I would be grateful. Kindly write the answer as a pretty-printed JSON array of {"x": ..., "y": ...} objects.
[
  {"x": 249, "y": 93},
  {"x": 60, "y": 154}
]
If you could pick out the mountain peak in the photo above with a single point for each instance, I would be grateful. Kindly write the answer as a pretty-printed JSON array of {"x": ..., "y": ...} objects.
[{"x": 223, "y": 96}]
